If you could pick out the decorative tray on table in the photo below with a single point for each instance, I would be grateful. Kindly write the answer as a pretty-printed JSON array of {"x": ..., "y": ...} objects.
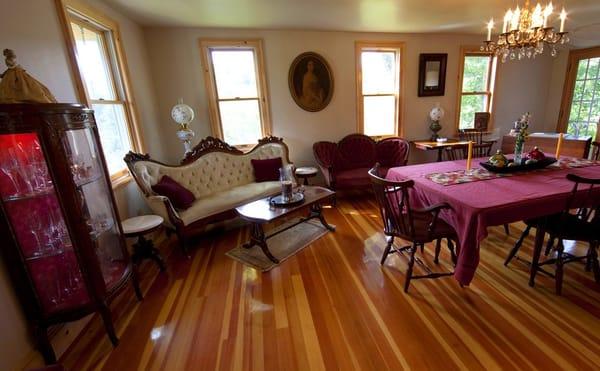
[
  {"x": 279, "y": 201},
  {"x": 516, "y": 168}
]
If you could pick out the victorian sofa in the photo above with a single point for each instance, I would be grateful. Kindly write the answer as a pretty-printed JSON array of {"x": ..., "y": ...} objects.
[
  {"x": 346, "y": 164},
  {"x": 220, "y": 176}
]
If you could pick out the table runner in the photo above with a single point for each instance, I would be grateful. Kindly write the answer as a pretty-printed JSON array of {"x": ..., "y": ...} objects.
[
  {"x": 478, "y": 205},
  {"x": 477, "y": 174}
]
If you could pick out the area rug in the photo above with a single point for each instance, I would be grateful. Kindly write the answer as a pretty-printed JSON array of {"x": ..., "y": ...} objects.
[{"x": 282, "y": 246}]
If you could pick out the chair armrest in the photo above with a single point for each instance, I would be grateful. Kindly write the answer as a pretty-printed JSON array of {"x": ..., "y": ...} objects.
[
  {"x": 163, "y": 207},
  {"x": 434, "y": 208},
  {"x": 435, "y": 211},
  {"x": 325, "y": 154}
]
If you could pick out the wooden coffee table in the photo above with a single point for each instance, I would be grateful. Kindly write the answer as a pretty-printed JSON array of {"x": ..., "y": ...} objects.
[{"x": 261, "y": 212}]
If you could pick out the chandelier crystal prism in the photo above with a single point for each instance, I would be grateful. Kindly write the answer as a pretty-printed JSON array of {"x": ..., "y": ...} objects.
[{"x": 526, "y": 33}]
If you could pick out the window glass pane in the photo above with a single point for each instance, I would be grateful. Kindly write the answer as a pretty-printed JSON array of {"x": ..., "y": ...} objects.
[
  {"x": 593, "y": 68},
  {"x": 114, "y": 136},
  {"x": 378, "y": 72},
  {"x": 578, "y": 90},
  {"x": 469, "y": 104},
  {"x": 581, "y": 69},
  {"x": 475, "y": 73},
  {"x": 379, "y": 115},
  {"x": 235, "y": 73},
  {"x": 93, "y": 63},
  {"x": 240, "y": 121}
]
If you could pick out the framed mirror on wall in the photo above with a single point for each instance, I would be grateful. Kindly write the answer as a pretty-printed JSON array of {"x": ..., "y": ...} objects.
[{"x": 432, "y": 74}]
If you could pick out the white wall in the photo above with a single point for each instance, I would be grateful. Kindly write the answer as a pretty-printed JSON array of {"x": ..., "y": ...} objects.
[
  {"x": 523, "y": 86},
  {"x": 177, "y": 72},
  {"x": 32, "y": 29}
]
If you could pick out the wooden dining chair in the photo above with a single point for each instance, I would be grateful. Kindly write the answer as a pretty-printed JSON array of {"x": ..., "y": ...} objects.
[
  {"x": 595, "y": 151},
  {"x": 579, "y": 221},
  {"x": 453, "y": 153},
  {"x": 419, "y": 226}
]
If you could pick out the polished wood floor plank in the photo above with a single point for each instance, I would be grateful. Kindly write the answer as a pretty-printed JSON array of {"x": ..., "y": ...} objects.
[{"x": 332, "y": 306}]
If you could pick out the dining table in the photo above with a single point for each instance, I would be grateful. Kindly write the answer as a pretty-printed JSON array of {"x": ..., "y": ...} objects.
[{"x": 477, "y": 204}]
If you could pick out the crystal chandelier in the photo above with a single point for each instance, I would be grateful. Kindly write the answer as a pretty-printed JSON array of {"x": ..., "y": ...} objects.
[{"x": 525, "y": 33}]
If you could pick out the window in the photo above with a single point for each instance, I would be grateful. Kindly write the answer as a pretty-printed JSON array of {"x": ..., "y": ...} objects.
[
  {"x": 476, "y": 84},
  {"x": 235, "y": 82},
  {"x": 580, "y": 111},
  {"x": 378, "y": 78},
  {"x": 102, "y": 80}
]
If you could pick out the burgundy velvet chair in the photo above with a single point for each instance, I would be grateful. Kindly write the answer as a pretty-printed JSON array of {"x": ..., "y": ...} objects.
[{"x": 346, "y": 164}]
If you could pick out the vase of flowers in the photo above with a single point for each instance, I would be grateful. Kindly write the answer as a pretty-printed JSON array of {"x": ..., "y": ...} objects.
[{"x": 521, "y": 126}]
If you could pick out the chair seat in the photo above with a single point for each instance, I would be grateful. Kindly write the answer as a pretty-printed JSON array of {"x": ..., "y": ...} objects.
[
  {"x": 421, "y": 223},
  {"x": 570, "y": 227}
]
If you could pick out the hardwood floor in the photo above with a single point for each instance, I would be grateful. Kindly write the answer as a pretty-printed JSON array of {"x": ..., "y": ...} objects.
[{"x": 332, "y": 306}]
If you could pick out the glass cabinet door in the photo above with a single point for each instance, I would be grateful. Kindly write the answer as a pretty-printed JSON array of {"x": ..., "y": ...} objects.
[
  {"x": 95, "y": 202},
  {"x": 30, "y": 202}
]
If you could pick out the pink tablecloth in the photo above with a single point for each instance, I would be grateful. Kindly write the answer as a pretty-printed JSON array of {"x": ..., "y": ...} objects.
[{"x": 478, "y": 205}]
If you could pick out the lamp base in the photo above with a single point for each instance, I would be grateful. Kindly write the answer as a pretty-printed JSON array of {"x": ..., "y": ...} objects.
[{"x": 185, "y": 135}]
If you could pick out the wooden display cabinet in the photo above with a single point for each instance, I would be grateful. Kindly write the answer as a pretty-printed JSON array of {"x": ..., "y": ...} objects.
[{"x": 62, "y": 240}]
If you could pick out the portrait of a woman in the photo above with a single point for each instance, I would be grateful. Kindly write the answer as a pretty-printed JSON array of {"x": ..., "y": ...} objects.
[{"x": 311, "y": 83}]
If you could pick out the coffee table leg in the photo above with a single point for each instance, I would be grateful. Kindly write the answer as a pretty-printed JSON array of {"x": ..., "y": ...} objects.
[
  {"x": 316, "y": 211},
  {"x": 258, "y": 237}
]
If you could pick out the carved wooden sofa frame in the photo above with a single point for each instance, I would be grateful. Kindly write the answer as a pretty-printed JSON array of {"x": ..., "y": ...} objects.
[{"x": 204, "y": 147}]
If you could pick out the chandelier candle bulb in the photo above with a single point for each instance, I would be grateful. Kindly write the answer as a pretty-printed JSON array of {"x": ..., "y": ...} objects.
[
  {"x": 563, "y": 17},
  {"x": 559, "y": 145},
  {"x": 547, "y": 12},
  {"x": 490, "y": 25},
  {"x": 469, "y": 155},
  {"x": 507, "y": 18},
  {"x": 536, "y": 18},
  {"x": 516, "y": 16}
]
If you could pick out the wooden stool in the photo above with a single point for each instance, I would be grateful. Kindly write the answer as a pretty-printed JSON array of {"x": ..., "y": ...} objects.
[
  {"x": 306, "y": 172},
  {"x": 143, "y": 249}
]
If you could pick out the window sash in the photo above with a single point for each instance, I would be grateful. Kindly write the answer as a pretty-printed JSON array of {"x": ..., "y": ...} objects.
[
  {"x": 71, "y": 11},
  {"x": 397, "y": 49},
  {"x": 565, "y": 120},
  {"x": 489, "y": 85},
  {"x": 207, "y": 47}
]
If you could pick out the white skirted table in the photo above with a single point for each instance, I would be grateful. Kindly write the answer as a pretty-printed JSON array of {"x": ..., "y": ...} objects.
[{"x": 140, "y": 226}]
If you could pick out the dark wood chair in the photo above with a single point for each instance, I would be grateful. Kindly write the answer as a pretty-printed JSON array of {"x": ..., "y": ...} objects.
[
  {"x": 580, "y": 225},
  {"x": 595, "y": 151},
  {"x": 454, "y": 153},
  {"x": 419, "y": 226}
]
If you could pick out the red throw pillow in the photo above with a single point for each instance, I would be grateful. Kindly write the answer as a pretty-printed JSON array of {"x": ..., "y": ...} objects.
[
  {"x": 179, "y": 196},
  {"x": 267, "y": 170}
]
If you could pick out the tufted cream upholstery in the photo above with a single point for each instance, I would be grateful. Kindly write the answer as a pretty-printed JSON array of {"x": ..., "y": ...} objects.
[{"x": 219, "y": 181}]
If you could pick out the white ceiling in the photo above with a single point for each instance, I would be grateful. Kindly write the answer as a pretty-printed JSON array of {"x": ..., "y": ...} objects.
[{"x": 456, "y": 16}]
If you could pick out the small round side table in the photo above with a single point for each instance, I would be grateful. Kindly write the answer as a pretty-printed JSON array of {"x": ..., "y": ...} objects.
[
  {"x": 306, "y": 172},
  {"x": 140, "y": 226}
]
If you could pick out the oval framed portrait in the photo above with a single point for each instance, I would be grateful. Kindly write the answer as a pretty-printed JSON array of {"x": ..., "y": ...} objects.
[{"x": 310, "y": 81}]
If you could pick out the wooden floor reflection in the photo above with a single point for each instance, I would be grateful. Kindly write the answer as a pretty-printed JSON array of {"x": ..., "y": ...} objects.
[{"x": 332, "y": 306}]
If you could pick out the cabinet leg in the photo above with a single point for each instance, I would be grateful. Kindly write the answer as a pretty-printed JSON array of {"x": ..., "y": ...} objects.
[
  {"x": 108, "y": 324},
  {"x": 44, "y": 345}
]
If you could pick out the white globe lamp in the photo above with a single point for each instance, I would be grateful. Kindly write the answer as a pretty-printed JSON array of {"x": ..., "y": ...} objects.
[
  {"x": 436, "y": 114},
  {"x": 183, "y": 114}
]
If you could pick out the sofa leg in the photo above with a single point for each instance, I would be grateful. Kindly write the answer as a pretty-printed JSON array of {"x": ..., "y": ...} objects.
[{"x": 183, "y": 245}]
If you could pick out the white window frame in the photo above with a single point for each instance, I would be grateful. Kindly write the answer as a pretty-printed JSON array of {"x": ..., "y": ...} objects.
[
  {"x": 208, "y": 45},
  {"x": 385, "y": 46},
  {"x": 78, "y": 12}
]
